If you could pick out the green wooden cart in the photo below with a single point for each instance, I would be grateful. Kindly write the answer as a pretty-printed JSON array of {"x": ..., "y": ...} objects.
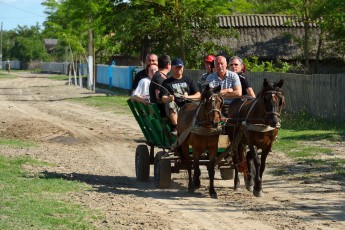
[{"x": 156, "y": 131}]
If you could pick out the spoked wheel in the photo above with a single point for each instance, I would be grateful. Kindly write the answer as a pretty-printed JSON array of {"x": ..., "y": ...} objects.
[
  {"x": 142, "y": 163},
  {"x": 162, "y": 171}
]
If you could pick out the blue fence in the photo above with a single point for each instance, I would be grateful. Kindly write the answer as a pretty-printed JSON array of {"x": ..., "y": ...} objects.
[
  {"x": 116, "y": 76},
  {"x": 111, "y": 75}
]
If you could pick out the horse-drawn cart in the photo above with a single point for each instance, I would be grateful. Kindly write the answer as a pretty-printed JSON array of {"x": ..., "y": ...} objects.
[{"x": 168, "y": 160}]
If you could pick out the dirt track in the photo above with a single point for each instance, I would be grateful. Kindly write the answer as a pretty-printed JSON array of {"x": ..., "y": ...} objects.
[{"x": 98, "y": 147}]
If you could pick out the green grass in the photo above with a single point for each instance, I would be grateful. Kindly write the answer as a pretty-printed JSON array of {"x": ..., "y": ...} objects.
[
  {"x": 59, "y": 77},
  {"x": 115, "y": 102},
  {"x": 13, "y": 143},
  {"x": 38, "y": 201},
  {"x": 301, "y": 138}
]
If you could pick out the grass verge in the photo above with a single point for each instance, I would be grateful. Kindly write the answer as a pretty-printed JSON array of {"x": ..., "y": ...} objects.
[
  {"x": 310, "y": 141},
  {"x": 38, "y": 200},
  {"x": 115, "y": 101}
]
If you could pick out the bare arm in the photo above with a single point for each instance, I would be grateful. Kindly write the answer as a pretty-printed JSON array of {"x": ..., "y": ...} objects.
[
  {"x": 250, "y": 92},
  {"x": 232, "y": 93},
  {"x": 139, "y": 99},
  {"x": 166, "y": 99},
  {"x": 195, "y": 96}
]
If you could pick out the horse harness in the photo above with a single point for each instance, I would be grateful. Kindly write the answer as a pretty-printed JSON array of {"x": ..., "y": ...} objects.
[{"x": 197, "y": 127}]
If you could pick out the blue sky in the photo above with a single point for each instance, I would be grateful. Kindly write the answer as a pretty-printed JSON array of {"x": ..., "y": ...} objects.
[{"x": 21, "y": 12}]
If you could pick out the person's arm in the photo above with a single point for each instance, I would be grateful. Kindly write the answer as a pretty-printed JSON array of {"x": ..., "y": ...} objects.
[
  {"x": 167, "y": 99},
  {"x": 140, "y": 99},
  {"x": 195, "y": 96},
  {"x": 232, "y": 92},
  {"x": 165, "y": 95},
  {"x": 250, "y": 92}
]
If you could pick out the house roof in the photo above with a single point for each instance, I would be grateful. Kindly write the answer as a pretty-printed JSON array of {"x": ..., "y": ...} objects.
[
  {"x": 260, "y": 20},
  {"x": 50, "y": 41}
]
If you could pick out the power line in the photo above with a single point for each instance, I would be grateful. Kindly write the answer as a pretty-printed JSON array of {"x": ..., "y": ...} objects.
[{"x": 26, "y": 11}]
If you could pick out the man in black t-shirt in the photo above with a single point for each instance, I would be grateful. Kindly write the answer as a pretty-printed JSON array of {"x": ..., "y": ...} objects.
[
  {"x": 176, "y": 90},
  {"x": 164, "y": 67}
]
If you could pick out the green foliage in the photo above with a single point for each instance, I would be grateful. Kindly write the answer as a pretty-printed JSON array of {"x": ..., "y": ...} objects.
[
  {"x": 254, "y": 65},
  {"x": 24, "y": 44},
  {"x": 38, "y": 201},
  {"x": 177, "y": 28}
]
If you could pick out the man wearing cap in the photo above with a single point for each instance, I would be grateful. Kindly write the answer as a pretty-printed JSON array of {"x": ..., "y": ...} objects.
[
  {"x": 208, "y": 60},
  {"x": 177, "y": 91}
]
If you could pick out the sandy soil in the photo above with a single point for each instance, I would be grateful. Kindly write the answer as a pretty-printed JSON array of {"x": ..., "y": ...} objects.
[{"x": 97, "y": 148}]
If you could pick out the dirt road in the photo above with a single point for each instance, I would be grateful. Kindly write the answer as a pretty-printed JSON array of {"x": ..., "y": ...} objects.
[{"x": 97, "y": 147}]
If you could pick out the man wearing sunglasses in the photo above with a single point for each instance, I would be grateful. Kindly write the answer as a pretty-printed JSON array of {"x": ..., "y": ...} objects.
[{"x": 236, "y": 65}]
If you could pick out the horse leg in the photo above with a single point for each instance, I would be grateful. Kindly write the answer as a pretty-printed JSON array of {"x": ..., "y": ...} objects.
[
  {"x": 251, "y": 174},
  {"x": 197, "y": 172},
  {"x": 188, "y": 165},
  {"x": 211, "y": 172},
  {"x": 236, "y": 177},
  {"x": 257, "y": 185}
]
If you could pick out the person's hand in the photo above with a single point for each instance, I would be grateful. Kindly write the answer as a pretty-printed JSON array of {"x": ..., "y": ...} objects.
[
  {"x": 185, "y": 96},
  {"x": 171, "y": 98},
  {"x": 147, "y": 101}
]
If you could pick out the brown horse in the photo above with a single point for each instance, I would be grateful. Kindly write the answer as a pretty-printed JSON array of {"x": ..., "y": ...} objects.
[
  {"x": 198, "y": 126},
  {"x": 256, "y": 122}
]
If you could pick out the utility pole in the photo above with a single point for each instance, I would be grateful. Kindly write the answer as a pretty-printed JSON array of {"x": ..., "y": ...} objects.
[
  {"x": 1, "y": 47},
  {"x": 90, "y": 58}
]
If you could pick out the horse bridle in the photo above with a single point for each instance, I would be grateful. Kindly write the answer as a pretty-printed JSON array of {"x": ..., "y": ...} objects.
[
  {"x": 213, "y": 100},
  {"x": 278, "y": 95},
  {"x": 214, "y": 108}
]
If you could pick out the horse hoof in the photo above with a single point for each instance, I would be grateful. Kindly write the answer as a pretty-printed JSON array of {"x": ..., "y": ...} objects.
[
  {"x": 250, "y": 188},
  {"x": 197, "y": 185},
  {"x": 237, "y": 189},
  {"x": 258, "y": 193},
  {"x": 214, "y": 196}
]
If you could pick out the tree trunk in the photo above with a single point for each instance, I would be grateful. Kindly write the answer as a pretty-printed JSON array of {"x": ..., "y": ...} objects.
[{"x": 306, "y": 37}]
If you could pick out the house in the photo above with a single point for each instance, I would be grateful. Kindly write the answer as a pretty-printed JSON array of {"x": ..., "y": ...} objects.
[
  {"x": 50, "y": 44},
  {"x": 267, "y": 36}
]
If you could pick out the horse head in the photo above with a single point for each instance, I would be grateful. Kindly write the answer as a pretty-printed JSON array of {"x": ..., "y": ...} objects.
[
  {"x": 274, "y": 100},
  {"x": 210, "y": 106}
]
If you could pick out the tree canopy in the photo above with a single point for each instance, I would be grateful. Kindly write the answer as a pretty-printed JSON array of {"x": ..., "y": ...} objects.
[{"x": 181, "y": 28}]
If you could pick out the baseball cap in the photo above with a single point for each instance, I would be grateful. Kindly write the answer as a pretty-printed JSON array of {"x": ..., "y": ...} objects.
[
  {"x": 177, "y": 62},
  {"x": 209, "y": 58}
]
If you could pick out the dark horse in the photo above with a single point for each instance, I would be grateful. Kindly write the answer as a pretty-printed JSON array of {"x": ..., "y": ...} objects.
[
  {"x": 254, "y": 123},
  {"x": 198, "y": 126}
]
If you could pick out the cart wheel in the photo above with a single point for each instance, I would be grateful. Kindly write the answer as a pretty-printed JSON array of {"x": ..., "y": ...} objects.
[
  {"x": 162, "y": 171},
  {"x": 226, "y": 173},
  {"x": 142, "y": 163}
]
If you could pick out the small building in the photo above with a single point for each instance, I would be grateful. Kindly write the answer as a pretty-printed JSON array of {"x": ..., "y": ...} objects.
[{"x": 50, "y": 44}]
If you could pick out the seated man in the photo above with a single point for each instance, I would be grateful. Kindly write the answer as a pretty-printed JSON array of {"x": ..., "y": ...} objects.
[
  {"x": 236, "y": 65},
  {"x": 164, "y": 67},
  {"x": 230, "y": 82},
  {"x": 176, "y": 91}
]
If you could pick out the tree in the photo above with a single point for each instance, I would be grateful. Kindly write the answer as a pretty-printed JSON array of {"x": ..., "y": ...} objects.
[
  {"x": 328, "y": 14},
  {"x": 77, "y": 24},
  {"x": 180, "y": 28},
  {"x": 25, "y": 44}
]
